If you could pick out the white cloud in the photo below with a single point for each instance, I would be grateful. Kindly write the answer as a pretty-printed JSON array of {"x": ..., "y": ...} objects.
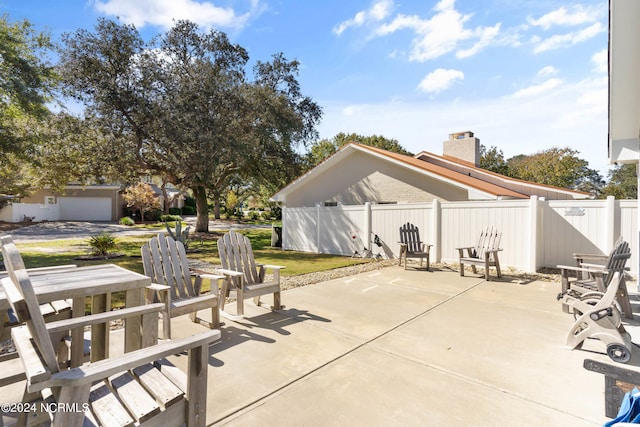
[
  {"x": 547, "y": 71},
  {"x": 601, "y": 61},
  {"x": 569, "y": 39},
  {"x": 487, "y": 36},
  {"x": 376, "y": 13},
  {"x": 440, "y": 80},
  {"x": 163, "y": 13},
  {"x": 578, "y": 15},
  {"x": 576, "y": 112},
  {"x": 444, "y": 32},
  {"x": 536, "y": 90}
]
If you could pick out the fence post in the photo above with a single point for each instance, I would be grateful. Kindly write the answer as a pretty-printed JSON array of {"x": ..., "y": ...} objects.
[
  {"x": 533, "y": 234},
  {"x": 610, "y": 223},
  {"x": 367, "y": 225},
  {"x": 283, "y": 241},
  {"x": 436, "y": 229},
  {"x": 318, "y": 251}
]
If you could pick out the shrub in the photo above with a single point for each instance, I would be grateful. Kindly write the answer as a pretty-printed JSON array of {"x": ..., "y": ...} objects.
[
  {"x": 254, "y": 215},
  {"x": 175, "y": 211},
  {"x": 125, "y": 220},
  {"x": 153, "y": 215},
  {"x": 171, "y": 218},
  {"x": 266, "y": 215},
  {"x": 188, "y": 210},
  {"x": 103, "y": 243}
]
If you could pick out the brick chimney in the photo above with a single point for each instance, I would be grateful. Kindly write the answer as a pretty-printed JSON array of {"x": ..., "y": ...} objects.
[{"x": 463, "y": 146}]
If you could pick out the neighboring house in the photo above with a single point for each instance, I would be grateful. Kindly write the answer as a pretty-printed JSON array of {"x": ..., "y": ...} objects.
[
  {"x": 79, "y": 203},
  {"x": 357, "y": 174},
  {"x": 176, "y": 197}
]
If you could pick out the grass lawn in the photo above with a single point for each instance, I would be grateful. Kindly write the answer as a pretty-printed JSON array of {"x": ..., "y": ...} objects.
[{"x": 205, "y": 248}]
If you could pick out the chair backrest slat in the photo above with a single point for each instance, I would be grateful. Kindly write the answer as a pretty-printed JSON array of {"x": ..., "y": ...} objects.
[
  {"x": 617, "y": 260},
  {"x": 410, "y": 235},
  {"x": 165, "y": 261},
  {"x": 236, "y": 254}
]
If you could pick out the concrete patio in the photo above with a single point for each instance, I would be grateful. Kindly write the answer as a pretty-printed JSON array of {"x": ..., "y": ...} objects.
[
  {"x": 396, "y": 347},
  {"x": 410, "y": 348}
]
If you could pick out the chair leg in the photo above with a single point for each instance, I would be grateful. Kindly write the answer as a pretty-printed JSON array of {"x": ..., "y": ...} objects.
[
  {"x": 240, "y": 302},
  {"x": 256, "y": 301},
  {"x": 276, "y": 301},
  {"x": 215, "y": 317},
  {"x": 486, "y": 268}
]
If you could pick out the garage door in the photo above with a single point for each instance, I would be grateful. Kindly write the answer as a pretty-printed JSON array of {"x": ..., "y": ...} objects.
[{"x": 85, "y": 208}]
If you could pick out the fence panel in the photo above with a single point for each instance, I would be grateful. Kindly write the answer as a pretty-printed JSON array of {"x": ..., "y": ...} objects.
[
  {"x": 534, "y": 233},
  {"x": 300, "y": 229},
  {"x": 17, "y": 212},
  {"x": 341, "y": 230},
  {"x": 462, "y": 223},
  {"x": 386, "y": 221},
  {"x": 574, "y": 226}
]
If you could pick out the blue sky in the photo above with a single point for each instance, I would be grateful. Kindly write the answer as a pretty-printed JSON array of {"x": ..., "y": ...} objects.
[{"x": 523, "y": 75}]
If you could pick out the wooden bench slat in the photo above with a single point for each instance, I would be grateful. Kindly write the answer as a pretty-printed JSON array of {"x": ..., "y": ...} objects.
[
  {"x": 164, "y": 390},
  {"x": 139, "y": 403},
  {"x": 107, "y": 408}
]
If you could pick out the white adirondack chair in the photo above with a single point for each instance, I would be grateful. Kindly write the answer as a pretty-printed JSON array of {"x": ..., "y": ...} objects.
[
  {"x": 484, "y": 253},
  {"x": 243, "y": 274},
  {"x": 165, "y": 262}
]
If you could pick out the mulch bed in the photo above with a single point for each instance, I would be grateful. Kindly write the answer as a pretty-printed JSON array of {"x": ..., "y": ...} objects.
[{"x": 5, "y": 227}]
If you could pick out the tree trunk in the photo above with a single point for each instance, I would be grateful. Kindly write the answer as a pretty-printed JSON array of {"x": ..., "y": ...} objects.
[
  {"x": 216, "y": 209},
  {"x": 202, "y": 221},
  {"x": 165, "y": 199}
]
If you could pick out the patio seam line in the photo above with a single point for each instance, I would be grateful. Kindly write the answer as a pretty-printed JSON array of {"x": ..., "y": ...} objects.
[
  {"x": 482, "y": 384},
  {"x": 247, "y": 407}
]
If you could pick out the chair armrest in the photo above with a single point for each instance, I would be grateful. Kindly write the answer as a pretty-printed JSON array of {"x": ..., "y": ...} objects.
[
  {"x": 492, "y": 251},
  {"x": 101, "y": 369},
  {"x": 589, "y": 256},
  {"x": 157, "y": 287},
  {"x": 231, "y": 273},
  {"x": 589, "y": 266},
  {"x": 274, "y": 267},
  {"x": 565, "y": 269},
  {"x": 99, "y": 318},
  {"x": 211, "y": 276},
  {"x": 465, "y": 247}
]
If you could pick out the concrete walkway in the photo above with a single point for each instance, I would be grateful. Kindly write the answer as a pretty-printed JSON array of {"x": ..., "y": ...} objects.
[
  {"x": 406, "y": 348},
  {"x": 410, "y": 348}
]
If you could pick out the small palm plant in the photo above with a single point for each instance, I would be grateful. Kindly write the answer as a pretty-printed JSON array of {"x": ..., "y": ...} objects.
[{"x": 102, "y": 244}]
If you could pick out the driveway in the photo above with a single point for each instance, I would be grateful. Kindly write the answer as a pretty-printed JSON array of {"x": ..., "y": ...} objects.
[{"x": 81, "y": 229}]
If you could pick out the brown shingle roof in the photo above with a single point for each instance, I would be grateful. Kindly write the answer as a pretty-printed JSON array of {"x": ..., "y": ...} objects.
[{"x": 476, "y": 183}]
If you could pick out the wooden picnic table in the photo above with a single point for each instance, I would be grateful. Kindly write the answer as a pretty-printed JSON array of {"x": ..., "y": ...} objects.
[{"x": 97, "y": 282}]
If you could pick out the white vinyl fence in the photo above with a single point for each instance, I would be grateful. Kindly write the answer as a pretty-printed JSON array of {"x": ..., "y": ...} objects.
[
  {"x": 17, "y": 212},
  {"x": 535, "y": 233}
]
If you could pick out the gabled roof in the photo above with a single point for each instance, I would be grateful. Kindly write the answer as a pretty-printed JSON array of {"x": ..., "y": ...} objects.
[
  {"x": 420, "y": 166},
  {"x": 515, "y": 184}
]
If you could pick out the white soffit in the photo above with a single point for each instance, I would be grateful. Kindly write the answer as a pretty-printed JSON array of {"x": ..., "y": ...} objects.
[{"x": 624, "y": 81}]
